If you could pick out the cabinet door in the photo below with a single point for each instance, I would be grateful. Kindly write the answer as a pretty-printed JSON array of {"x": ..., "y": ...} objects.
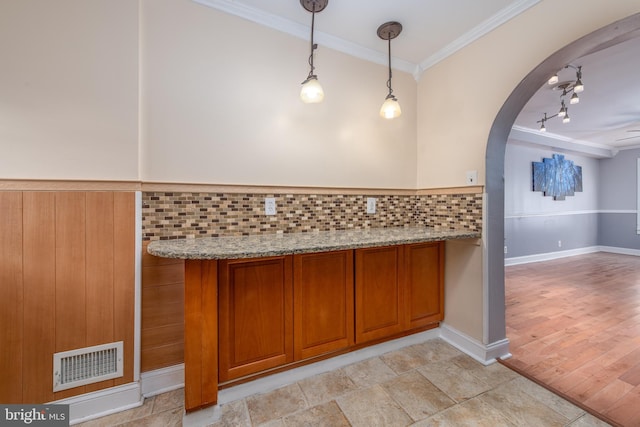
[
  {"x": 379, "y": 294},
  {"x": 255, "y": 315},
  {"x": 323, "y": 303},
  {"x": 424, "y": 273}
]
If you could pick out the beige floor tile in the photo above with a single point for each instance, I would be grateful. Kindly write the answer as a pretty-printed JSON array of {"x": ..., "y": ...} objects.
[
  {"x": 458, "y": 383},
  {"x": 550, "y": 399},
  {"x": 588, "y": 420},
  {"x": 436, "y": 350},
  {"x": 122, "y": 417},
  {"x": 171, "y": 418},
  {"x": 404, "y": 360},
  {"x": 471, "y": 413},
  {"x": 521, "y": 409},
  {"x": 373, "y": 407},
  {"x": 275, "y": 404},
  {"x": 325, "y": 415},
  {"x": 417, "y": 396},
  {"x": 170, "y": 400},
  {"x": 494, "y": 374},
  {"x": 234, "y": 414},
  {"x": 324, "y": 387},
  {"x": 369, "y": 372},
  {"x": 273, "y": 423}
]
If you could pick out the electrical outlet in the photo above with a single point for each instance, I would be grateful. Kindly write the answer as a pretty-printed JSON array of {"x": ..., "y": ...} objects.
[
  {"x": 505, "y": 249},
  {"x": 371, "y": 205},
  {"x": 269, "y": 205},
  {"x": 472, "y": 177},
  {"x": 559, "y": 243}
]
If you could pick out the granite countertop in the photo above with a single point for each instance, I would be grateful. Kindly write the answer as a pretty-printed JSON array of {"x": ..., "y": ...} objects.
[{"x": 265, "y": 245}]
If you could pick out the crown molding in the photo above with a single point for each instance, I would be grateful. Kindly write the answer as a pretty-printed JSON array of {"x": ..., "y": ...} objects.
[
  {"x": 302, "y": 31},
  {"x": 555, "y": 141},
  {"x": 478, "y": 31}
]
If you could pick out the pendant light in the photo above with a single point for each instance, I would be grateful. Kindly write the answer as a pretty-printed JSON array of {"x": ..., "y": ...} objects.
[
  {"x": 390, "y": 108},
  {"x": 311, "y": 92}
]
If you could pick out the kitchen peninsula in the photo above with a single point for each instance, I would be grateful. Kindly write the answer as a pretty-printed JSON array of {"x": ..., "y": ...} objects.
[{"x": 261, "y": 303}]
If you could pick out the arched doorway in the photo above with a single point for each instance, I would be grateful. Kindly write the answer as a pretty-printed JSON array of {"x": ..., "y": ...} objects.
[{"x": 617, "y": 32}]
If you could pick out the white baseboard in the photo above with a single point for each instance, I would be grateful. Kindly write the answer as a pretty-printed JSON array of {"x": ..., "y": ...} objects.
[
  {"x": 550, "y": 256},
  {"x": 103, "y": 402},
  {"x": 573, "y": 252},
  {"x": 483, "y": 353},
  {"x": 621, "y": 251},
  {"x": 116, "y": 399},
  {"x": 162, "y": 380}
]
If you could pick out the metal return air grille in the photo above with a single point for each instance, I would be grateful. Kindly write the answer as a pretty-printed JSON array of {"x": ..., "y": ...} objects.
[{"x": 87, "y": 365}]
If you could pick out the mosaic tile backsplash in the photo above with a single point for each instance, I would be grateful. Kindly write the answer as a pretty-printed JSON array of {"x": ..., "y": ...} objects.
[{"x": 167, "y": 215}]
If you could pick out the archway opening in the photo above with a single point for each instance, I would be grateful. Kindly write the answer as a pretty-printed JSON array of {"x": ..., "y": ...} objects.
[{"x": 617, "y": 32}]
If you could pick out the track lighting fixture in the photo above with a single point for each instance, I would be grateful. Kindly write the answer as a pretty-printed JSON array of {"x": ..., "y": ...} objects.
[
  {"x": 569, "y": 87},
  {"x": 390, "y": 108},
  {"x": 311, "y": 92}
]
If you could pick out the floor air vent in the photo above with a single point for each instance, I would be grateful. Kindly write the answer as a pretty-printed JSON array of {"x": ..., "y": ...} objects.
[{"x": 87, "y": 365}]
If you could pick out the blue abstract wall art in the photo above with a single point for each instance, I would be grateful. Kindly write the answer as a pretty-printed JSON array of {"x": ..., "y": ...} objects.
[{"x": 557, "y": 177}]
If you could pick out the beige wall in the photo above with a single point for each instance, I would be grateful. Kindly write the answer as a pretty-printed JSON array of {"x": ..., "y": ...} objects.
[
  {"x": 459, "y": 98},
  {"x": 69, "y": 89},
  {"x": 221, "y": 105},
  {"x": 474, "y": 83}
]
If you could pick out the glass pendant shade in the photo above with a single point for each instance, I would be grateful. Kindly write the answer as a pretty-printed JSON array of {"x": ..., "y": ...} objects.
[
  {"x": 579, "y": 87},
  {"x": 553, "y": 79},
  {"x": 566, "y": 119},
  {"x": 311, "y": 92},
  {"x": 390, "y": 109},
  {"x": 574, "y": 99}
]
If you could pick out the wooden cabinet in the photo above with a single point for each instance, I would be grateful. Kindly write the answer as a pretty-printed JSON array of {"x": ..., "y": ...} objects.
[
  {"x": 323, "y": 303},
  {"x": 379, "y": 293},
  {"x": 424, "y": 284},
  {"x": 255, "y": 315},
  {"x": 279, "y": 310},
  {"x": 398, "y": 288}
]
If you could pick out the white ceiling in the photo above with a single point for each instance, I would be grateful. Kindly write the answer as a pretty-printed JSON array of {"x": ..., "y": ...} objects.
[
  {"x": 603, "y": 122},
  {"x": 432, "y": 30},
  {"x": 608, "y": 115}
]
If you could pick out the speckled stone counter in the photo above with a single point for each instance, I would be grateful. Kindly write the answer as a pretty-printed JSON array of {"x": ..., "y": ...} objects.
[{"x": 295, "y": 243}]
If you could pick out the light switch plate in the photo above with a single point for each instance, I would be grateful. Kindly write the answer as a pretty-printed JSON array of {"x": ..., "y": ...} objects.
[{"x": 472, "y": 177}]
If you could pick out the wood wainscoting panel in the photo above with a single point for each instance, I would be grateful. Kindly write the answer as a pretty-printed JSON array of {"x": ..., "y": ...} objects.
[
  {"x": 11, "y": 294},
  {"x": 67, "y": 281},
  {"x": 39, "y": 242},
  {"x": 162, "y": 334},
  {"x": 124, "y": 276},
  {"x": 99, "y": 279},
  {"x": 71, "y": 290}
]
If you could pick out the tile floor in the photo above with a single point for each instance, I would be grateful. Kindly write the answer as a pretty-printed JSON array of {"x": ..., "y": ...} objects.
[{"x": 428, "y": 384}]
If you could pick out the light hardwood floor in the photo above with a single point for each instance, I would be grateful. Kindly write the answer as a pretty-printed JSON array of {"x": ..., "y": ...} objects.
[{"x": 574, "y": 326}]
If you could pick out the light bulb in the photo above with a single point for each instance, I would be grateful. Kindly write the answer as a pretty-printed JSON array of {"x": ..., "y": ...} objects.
[
  {"x": 566, "y": 119},
  {"x": 542, "y": 128},
  {"x": 311, "y": 92},
  {"x": 578, "y": 87},
  {"x": 574, "y": 99},
  {"x": 390, "y": 108},
  {"x": 563, "y": 111}
]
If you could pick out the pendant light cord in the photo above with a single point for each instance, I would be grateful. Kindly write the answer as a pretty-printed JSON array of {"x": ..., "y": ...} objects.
[{"x": 313, "y": 46}]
